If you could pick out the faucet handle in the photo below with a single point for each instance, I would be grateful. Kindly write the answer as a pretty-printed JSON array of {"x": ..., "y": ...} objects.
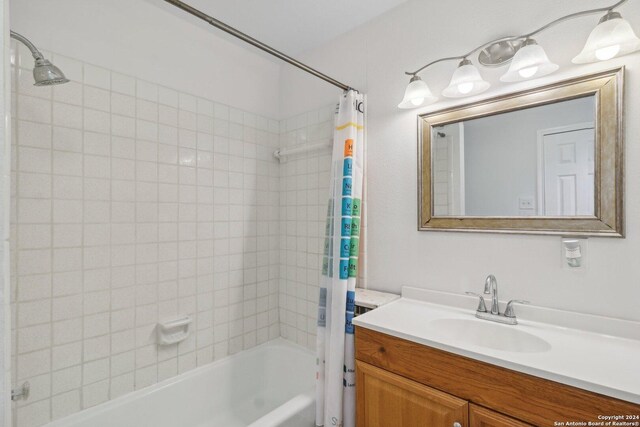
[
  {"x": 509, "y": 312},
  {"x": 481, "y": 305}
]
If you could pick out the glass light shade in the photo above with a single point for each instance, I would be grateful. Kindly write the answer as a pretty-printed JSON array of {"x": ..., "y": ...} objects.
[
  {"x": 417, "y": 94},
  {"x": 612, "y": 37},
  {"x": 466, "y": 81},
  {"x": 530, "y": 61}
]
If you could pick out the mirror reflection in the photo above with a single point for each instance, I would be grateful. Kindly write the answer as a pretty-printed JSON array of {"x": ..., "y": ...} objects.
[{"x": 537, "y": 161}]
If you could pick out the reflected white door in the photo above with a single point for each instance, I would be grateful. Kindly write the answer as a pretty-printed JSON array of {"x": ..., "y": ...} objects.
[
  {"x": 448, "y": 170},
  {"x": 568, "y": 171}
]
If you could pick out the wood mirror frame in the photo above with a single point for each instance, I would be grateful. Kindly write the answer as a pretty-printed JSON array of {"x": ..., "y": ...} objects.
[{"x": 608, "y": 219}]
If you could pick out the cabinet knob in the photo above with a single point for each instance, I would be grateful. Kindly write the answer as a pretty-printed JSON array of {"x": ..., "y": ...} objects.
[{"x": 457, "y": 424}]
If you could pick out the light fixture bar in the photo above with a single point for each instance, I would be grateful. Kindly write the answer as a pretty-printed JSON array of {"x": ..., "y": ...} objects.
[
  {"x": 573, "y": 15},
  {"x": 448, "y": 58},
  {"x": 523, "y": 36}
]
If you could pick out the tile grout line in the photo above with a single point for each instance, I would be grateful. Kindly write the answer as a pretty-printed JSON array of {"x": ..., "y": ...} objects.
[
  {"x": 110, "y": 247},
  {"x": 18, "y": 228},
  {"x": 135, "y": 231},
  {"x": 52, "y": 264},
  {"x": 157, "y": 237},
  {"x": 214, "y": 308},
  {"x": 178, "y": 275},
  {"x": 82, "y": 241}
]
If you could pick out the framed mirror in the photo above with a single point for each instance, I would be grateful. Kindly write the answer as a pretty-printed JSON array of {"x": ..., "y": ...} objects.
[{"x": 543, "y": 161}]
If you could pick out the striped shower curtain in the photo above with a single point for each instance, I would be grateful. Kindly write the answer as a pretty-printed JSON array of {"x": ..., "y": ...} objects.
[{"x": 335, "y": 392}]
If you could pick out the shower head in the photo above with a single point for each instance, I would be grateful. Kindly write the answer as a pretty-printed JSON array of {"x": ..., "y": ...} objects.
[{"x": 44, "y": 72}]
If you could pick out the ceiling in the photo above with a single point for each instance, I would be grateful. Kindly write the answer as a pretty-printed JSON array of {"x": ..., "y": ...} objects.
[{"x": 292, "y": 26}]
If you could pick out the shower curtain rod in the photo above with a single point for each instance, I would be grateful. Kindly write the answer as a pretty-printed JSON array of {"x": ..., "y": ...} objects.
[{"x": 248, "y": 39}]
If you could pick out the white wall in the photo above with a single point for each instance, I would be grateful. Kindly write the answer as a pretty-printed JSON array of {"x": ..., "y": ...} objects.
[
  {"x": 160, "y": 44},
  {"x": 373, "y": 58}
]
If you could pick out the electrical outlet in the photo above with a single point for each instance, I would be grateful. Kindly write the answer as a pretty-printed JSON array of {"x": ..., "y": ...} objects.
[{"x": 526, "y": 202}]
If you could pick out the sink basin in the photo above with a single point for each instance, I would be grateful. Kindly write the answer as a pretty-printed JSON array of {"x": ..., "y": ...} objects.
[{"x": 490, "y": 335}]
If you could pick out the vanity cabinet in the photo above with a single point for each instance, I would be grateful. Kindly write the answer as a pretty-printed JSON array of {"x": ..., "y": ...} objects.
[
  {"x": 386, "y": 399},
  {"x": 404, "y": 384}
]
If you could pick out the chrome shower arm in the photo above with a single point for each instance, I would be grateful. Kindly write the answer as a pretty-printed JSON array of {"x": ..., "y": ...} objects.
[{"x": 25, "y": 41}]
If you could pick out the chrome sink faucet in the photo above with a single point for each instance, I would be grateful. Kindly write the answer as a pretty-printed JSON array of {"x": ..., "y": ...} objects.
[{"x": 491, "y": 288}]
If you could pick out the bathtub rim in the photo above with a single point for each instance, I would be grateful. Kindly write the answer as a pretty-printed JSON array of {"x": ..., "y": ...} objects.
[
  {"x": 87, "y": 413},
  {"x": 283, "y": 412}
]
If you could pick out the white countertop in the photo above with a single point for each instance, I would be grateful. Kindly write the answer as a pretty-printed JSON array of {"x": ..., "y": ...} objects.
[
  {"x": 605, "y": 363},
  {"x": 373, "y": 299}
]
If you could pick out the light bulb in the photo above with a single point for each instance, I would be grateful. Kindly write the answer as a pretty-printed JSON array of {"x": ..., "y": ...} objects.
[
  {"x": 528, "y": 71},
  {"x": 465, "y": 88},
  {"x": 607, "y": 52},
  {"x": 417, "y": 101}
]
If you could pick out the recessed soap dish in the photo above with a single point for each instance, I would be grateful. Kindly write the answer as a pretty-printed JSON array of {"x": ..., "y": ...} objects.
[{"x": 173, "y": 331}]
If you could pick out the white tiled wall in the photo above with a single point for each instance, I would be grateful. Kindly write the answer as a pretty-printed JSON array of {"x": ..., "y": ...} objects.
[
  {"x": 133, "y": 203},
  {"x": 304, "y": 188}
]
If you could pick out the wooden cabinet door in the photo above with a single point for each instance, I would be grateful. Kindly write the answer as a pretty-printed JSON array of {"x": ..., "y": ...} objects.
[
  {"x": 389, "y": 400},
  {"x": 483, "y": 417}
]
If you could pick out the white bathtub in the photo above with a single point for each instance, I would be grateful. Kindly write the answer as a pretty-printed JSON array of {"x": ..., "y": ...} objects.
[{"x": 269, "y": 385}]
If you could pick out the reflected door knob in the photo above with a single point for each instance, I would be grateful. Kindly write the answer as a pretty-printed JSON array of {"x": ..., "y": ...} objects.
[{"x": 457, "y": 424}]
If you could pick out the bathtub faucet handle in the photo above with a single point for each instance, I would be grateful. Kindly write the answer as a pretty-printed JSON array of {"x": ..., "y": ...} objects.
[{"x": 22, "y": 392}]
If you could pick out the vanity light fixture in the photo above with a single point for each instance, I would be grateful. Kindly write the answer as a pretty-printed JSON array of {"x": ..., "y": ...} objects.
[
  {"x": 466, "y": 81},
  {"x": 612, "y": 37}
]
